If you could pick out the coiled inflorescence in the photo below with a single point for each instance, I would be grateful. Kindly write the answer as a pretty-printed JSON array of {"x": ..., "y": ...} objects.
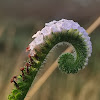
[
  {"x": 53, "y": 33},
  {"x": 66, "y": 31}
]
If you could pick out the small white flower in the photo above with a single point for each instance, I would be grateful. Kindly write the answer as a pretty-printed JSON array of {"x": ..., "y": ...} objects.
[
  {"x": 83, "y": 36},
  {"x": 80, "y": 33},
  {"x": 66, "y": 26},
  {"x": 54, "y": 28},
  {"x": 82, "y": 30},
  {"x": 32, "y": 52},
  {"x": 32, "y": 45},
  {"x": 75, "y": 25},
  {"x": 37, "y": 34},
  {"x": 62, "y": 20},
  {"x": 88, "y": 38},
  {"x": 50, "y": 23},
  {"x": 59, "y": 27},
  {"x": 89, "y": 43},
  {"x": 71, "y": 21},
  {"x": 85, "y": 33},
  {"x": 38, "y": 40},
  {"x": 46, "y": 31}
]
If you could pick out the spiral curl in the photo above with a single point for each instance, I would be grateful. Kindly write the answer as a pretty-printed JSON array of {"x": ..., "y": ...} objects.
[{"x": 53, "y": 33}]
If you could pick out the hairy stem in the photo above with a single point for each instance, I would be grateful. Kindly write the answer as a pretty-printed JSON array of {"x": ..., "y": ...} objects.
[{"x": 68, "y": 63}]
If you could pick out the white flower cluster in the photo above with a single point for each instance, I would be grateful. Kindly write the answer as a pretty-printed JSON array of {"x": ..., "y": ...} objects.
[{"x": 58, "y": 26}]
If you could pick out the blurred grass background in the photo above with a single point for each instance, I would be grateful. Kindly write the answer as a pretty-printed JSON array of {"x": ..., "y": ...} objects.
[{"x": 19, "y": 20}]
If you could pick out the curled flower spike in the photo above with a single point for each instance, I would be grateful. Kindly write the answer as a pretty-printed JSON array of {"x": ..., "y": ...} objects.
[
  {"x": 12, "y": 80},
  {"x": 54, "y": 34},
  {"x": 66, "y": 31},
  {"x": 23, "y": 76}
]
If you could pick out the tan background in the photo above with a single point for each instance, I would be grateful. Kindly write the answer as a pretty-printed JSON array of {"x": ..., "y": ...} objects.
[{"x": 19, "y": 20}]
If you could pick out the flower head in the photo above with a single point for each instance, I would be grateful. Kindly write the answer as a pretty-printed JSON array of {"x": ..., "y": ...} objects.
[{"x": 58, "y": 26}]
